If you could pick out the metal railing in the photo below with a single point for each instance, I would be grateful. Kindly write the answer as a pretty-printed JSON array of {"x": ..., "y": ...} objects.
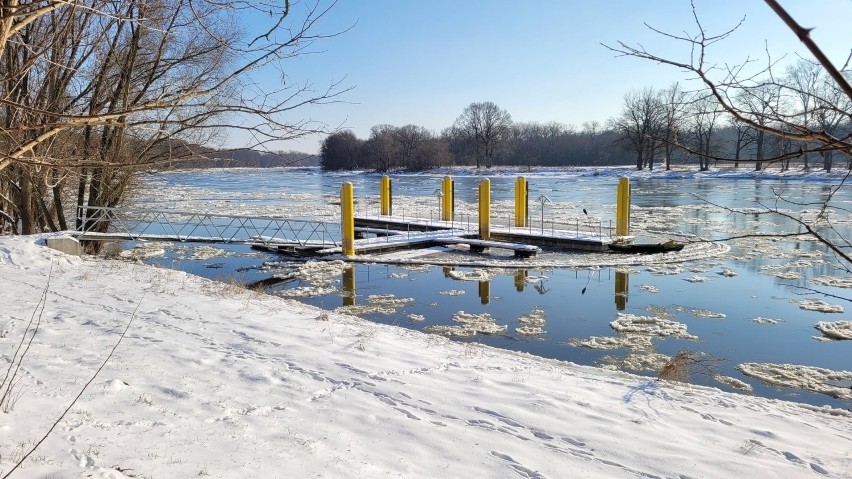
[{"x": 101, "y": 223}]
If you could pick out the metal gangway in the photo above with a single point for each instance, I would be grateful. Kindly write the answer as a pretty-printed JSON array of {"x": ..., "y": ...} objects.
[{"x": 137, "y": 224}]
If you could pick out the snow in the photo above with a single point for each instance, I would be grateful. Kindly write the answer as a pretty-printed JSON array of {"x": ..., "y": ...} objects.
[{"x": 219, "y": 381}]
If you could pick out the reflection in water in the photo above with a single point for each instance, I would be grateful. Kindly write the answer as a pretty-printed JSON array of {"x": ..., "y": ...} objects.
[
  {"x": 485, "y": 292},
  {"x": 622, "y": 283},
  {"x": 520, "y": 280},
  {"x": 349, "y": 286}
]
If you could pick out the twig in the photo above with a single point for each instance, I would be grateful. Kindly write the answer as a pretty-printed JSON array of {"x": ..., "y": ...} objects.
[{"x": 95, "y": 375}]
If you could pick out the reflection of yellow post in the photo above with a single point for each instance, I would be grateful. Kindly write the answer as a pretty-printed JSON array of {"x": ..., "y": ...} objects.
[
  {"x": 385, "y": 200},
  {"x": 622, "y": 208},
  {"x": 349, "y": 286},
  {"x": 485, "y": 209},
  {"x": 447, "y": 270},
  {"x": 447, "y": 190},
  {"x": 521, "y": 200},
  {"x": 520, "y": 280},
  {"x": 484, "y": 292},
  {"x": 622, "y": 283},
  {"x": 347, "y": 218}
]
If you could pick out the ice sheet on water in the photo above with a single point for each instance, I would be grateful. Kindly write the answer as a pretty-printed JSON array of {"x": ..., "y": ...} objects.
[
  {"x": 649, "y": 288},
  {"x": 734, "y": 383},
  {"x": 809, "y": 378},
  {"x": 469, "y": 324},
  {"x": 651, "y": 326},
  {"x": 145, "y": 250},
  {"x": 833, "y": 281},
  {"x": 836, "y": 329},
  {"x": 532, "y": 323},
  {"x": 820, "y": 306},
  {"x": 762, "y": 320},
  {"x": 626, "y": 341}
]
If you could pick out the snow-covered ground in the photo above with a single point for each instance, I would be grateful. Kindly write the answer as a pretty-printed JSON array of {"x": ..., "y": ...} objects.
[{"x": 215, "y": 380}]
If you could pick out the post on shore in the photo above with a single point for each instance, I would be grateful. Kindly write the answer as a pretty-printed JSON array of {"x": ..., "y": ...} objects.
[
  {"x": 385, "y": 196},
  {"x": 522, "y": 195},
  {"x": 347, "y": 218},
  {"x": 485, "y": 209},
  {"x": 448, "y": 199},
  {"x": 622, "y": 208}
]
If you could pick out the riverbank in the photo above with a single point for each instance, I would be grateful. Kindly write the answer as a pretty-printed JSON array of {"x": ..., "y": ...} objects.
[{"x": 215, "y": 380}]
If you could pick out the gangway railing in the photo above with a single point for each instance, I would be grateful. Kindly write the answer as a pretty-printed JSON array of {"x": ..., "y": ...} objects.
[{"x": 104, "y": 224}]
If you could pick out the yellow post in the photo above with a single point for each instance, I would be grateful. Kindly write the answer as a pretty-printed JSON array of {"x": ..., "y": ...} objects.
[
  {"x": 521, "y": 188},
  {"x": 347, "y": 218},
  {"x": 485, "y": 292},
  {"x": 485, "y": 209},
  {"x": 622, "y": 208},
  {"x": 447, "y": 199},
  {"x": 385, "y": 196}
]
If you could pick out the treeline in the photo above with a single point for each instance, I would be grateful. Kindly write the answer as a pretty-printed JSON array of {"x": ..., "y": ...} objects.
[
  {"x": 800, "y": 118},
  {"x": 244, "y": 157}
]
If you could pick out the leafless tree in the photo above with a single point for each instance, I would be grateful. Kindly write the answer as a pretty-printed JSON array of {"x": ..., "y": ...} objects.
[
  {"x": 641, "y": 124},
  {"x": 673, "y": 103},
  {"x": 92, "y": 92},
  {"x": 486, "y": 128},
  {"x": 705, "y": 114},
  {"x": 762, "y": 102}
]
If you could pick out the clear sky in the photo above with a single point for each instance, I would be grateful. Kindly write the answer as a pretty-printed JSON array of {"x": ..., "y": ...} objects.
[{"x": 423, "y": 62}]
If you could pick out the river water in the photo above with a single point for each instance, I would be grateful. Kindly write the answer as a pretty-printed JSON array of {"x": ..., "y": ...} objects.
[{"x": 723, "y": 304}]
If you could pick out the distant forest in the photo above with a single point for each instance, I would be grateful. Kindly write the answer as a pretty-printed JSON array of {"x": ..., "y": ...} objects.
[
  {"x": 656, "y": 128},
  {"x": 242, "y": 158}
]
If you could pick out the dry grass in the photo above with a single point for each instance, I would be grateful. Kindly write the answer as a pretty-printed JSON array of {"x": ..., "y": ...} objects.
[{"x": 687, "y": 363}]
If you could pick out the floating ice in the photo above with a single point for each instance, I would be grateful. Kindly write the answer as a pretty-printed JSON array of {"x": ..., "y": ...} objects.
[
  {"x": 469, "y": 325},
  {"x": 697, "y": 279},
  {"x": 629, "y": 323},
  {"x": 762, "y": 320},
  {"x": 532, "y": 323},
  {"x": 809, "y": 378},
  {"x": 706, "y": 313},
  {"x": 649, "y": 288},
  {"x": 475, "y": 275},
  {"x": 452, "y": 292},
  {"x": 150, "y": 249},
  {"x": 665, "y": 269},
  {"x": 727, "y": 272},
  {"x": 734, "y": 383},
  {"x": 833, "y": 281},
  {"x": 377, "y": 304},
  {"x": 787, "y": 274},
  {"x": 644, "y": 361},
  {"x": 820, "y": 306},
  {"x": 416, "y": 317},
  {"x": 629, "y": 341},
  {"x": 836, "y": 329}
]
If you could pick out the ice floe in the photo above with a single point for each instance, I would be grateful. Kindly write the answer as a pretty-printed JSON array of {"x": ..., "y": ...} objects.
[
  {"x": 820, "y": 306},
  {"x": 649, "y": 288},
  {"x": 836, "y": 329},
  {"x": 629, "y": 323},
  {"x": 627, "y": 341},
  {"x": 697, "y": 279},
  {"x": 734, "y": 383},
  {"x": 762, "y": 320},
  {"x": 727, "y": 272},
  {"x": 469, "y": 324},
  {"x": 145, "y": 250},
  {"x": 833, "y": 281},
  {"x": 532, "y": 323},
  {"x": 809, "y": 378}
]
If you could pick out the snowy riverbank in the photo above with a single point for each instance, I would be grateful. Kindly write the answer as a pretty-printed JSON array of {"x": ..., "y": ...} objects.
[{"x": 213, "y": 380}]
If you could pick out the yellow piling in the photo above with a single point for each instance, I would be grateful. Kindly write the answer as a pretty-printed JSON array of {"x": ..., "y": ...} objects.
[
  {"x": 385, "y": 200},
  {"x": 447, "y": 202},
  {"x": 347, "y": 218},
  {"x": 622, "y": 208},
  {"x": 520, "y": 280},
  {"x": 521, "y": 201},
  {"x": 485, "y": 292},
  {"x": 485, "y": 209}
]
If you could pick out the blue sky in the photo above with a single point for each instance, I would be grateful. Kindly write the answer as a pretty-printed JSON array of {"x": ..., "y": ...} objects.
[{"x": 423, "y": 62}]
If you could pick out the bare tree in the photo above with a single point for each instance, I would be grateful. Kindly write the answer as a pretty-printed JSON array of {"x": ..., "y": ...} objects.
[
  {"x": 640, "y": 124},
  {"x": 761, "y": 102},
  {"x": 486, "y": 128},
  {"x": 93, "y": 92},
  {"x": 673, "y": 104},
  {"x": 705, "y": 114}
]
